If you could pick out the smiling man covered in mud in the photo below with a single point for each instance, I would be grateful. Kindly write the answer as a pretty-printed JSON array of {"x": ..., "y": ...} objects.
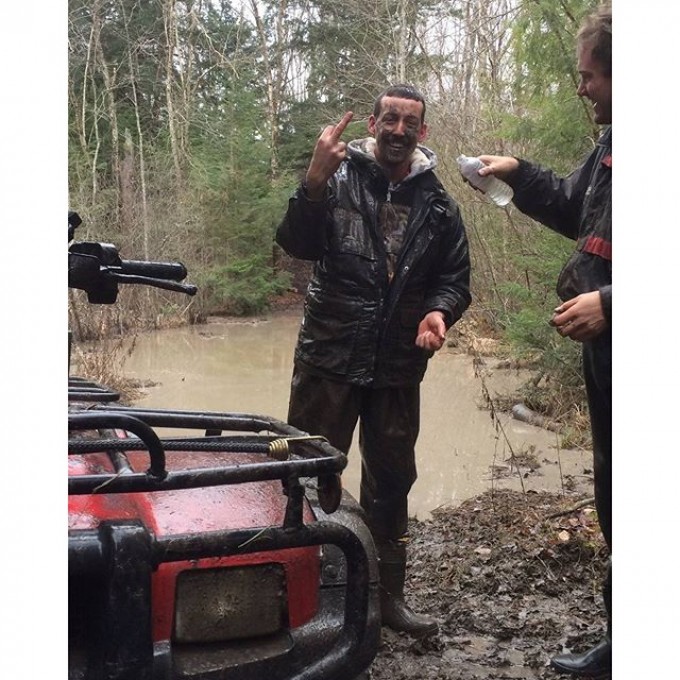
[{"x": 391, "y": 275}]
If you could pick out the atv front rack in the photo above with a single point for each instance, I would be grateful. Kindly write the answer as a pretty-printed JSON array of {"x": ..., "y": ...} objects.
[
  {"x": 287, "y": 453},
  {"x": 81, "y": 389}
]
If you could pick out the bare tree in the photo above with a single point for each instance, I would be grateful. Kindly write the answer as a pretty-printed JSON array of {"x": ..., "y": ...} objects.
[
  {"x": 171, "y": 39},
  {"x": 277, "y": 58},
  {"x": 133, "y": 71}
]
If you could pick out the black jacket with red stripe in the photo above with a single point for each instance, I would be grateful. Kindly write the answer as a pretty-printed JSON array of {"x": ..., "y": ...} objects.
[{"x": 580, "y": 207}]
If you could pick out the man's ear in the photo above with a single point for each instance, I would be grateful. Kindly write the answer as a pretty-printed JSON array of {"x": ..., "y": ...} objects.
[
  {"x": 423, "y": 132},
  {"x": 371, "y": 125}
]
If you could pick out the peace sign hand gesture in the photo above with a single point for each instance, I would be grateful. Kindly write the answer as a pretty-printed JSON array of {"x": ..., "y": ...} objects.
[{"x": 329, "y": 152}]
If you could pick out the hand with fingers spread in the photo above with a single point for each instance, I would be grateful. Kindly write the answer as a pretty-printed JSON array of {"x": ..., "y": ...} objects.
[
  {"x": 581, "y": 318},
  {"x": 329, "y": 152}
]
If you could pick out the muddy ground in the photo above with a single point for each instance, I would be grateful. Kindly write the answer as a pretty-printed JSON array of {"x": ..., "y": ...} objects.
[{"x": 513, "y": 579}]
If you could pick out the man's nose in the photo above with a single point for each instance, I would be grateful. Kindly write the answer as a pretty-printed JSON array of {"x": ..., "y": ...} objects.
[{"x": 399, "y": 128}]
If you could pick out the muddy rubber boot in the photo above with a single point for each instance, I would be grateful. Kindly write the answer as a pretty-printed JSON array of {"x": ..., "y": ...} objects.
[
  {"x": 395, "y": 613},
  {"x": 595, "y": 663}
]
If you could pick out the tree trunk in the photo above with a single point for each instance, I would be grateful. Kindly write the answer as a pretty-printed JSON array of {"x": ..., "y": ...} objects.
[
  {"x": 132, "y": 65},
  {"x": 170, "y": 25}
]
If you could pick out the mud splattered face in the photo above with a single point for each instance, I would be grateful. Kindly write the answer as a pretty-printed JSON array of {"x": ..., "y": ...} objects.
[{"x": 397, "y": 130}]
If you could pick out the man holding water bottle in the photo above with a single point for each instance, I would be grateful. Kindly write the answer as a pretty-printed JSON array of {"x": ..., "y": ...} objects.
[{"x": 580, "y": 207}]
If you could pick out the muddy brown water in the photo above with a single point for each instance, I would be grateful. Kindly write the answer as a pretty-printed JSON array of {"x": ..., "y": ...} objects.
[{"x": 245, "y": 367}]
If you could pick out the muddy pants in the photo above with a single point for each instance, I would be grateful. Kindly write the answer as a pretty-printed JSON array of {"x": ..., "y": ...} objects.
[
  {"x": 389, "y": 422},
  {"x": 597, "y": 368}
]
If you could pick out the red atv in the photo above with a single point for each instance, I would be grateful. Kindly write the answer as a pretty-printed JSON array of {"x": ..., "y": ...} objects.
[{"x": 227, "y": 551}]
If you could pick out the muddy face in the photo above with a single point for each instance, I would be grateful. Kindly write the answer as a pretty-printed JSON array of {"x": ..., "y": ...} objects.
[{"x": 397, "y": 130}]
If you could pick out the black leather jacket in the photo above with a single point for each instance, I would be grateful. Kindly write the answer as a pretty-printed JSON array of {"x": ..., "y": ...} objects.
[
  {"x": 580, "y": 207},
  {"x": 358, "y": 327}
]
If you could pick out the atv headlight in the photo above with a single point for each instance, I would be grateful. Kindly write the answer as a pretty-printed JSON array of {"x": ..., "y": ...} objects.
[{"x": 215, "y": 605}]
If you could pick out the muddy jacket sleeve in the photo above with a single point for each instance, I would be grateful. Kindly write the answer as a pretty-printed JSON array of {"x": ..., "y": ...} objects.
[
  {"x": 579, "y": 207},
  {"x": 549, "y": 199},
  {"x": 303, "y": 233}
]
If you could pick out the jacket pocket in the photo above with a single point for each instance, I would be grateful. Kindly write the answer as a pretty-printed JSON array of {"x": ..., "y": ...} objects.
[
  {"x": 328, "y": 334},
  {"x": 351, "y": 235}
]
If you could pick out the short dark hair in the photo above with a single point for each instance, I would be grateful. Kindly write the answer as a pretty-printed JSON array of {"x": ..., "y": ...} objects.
[
  {"x": 596, "y": 31},
  {"x": 402, "y": 91}
]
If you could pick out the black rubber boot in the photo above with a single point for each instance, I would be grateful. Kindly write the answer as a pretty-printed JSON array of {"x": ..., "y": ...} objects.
[
  {"x": 396, "y": 614},
  {"x": 595, "y": 663}
]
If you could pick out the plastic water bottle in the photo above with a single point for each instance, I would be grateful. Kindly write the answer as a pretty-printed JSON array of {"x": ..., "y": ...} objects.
[{"x": 497, "y": 190}]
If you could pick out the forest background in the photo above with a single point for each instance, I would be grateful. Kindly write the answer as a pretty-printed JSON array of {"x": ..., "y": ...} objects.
[{"x": 192, "y": 121}]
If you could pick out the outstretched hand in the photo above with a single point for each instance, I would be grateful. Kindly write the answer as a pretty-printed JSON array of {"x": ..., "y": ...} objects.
[
  {"x": 431, "y": 331},
  {"x": 581, "y": 318},
  {"x": 500, "y": 166},
  {"x": 329, "y": 152}
]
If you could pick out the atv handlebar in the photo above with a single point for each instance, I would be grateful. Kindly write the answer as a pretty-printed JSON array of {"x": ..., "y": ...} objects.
[
  {"x": 97, "y": 269},
  {"x": 172, "y": 271}
]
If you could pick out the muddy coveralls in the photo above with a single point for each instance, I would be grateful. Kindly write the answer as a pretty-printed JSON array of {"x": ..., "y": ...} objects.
[
  {"x": 385, "y": 255},
  {"x": 580, "y": 207}
]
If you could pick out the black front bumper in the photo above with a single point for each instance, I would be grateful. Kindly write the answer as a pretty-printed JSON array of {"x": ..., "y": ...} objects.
[{"x": 339, "y": 642}]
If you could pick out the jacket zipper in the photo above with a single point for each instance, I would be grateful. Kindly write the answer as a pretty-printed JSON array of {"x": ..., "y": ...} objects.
[{"x": 412, "y": 229}]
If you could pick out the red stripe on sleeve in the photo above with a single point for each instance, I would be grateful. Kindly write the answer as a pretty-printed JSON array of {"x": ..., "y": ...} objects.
[{"x": 598, "y": 246}]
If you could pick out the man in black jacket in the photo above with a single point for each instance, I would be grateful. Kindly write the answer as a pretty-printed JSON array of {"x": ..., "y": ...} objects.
[
  {"x": 391, "y": 275},
  {"x": 580, "y": 207}
]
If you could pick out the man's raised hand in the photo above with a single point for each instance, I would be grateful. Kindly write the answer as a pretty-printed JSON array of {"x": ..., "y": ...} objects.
[{"x": 329, "y": 152}]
